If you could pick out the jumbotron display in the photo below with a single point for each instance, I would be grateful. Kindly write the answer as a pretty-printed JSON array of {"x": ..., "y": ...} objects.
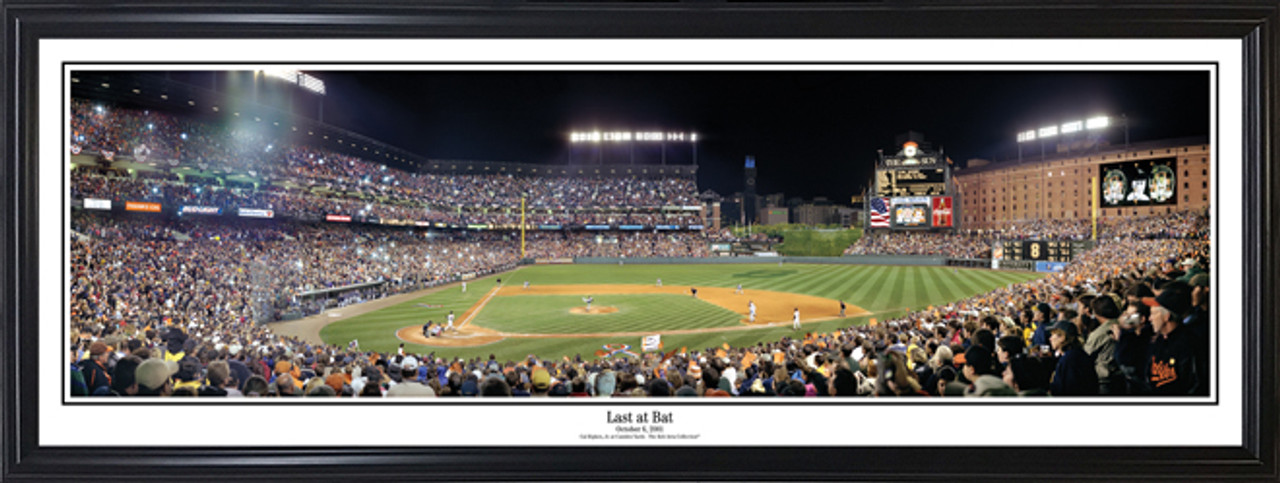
[{"x": 1139, "y": 183}]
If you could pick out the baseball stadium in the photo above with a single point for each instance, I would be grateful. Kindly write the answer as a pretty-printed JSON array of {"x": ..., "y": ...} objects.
[{"x": 224, "y": 241}]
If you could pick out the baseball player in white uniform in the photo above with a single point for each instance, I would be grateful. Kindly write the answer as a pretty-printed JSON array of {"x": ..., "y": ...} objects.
[
  {"x": 739, "y": 290},
  {"x": 450, "y": 325},
  {"x": 464, "y": 286},
  {"x": 751, "y": 309},
  {"x": 659, "y": 282},
  {"x": 526, "y": 285},
  {"x": 795, "y": 319},
  {"x": 588, "y": 301}
]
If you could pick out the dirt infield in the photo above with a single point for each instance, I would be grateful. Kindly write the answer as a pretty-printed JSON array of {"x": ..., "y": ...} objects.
[
  {"x": 772, "y": 309},
  {"x": 593, "y": 310}
]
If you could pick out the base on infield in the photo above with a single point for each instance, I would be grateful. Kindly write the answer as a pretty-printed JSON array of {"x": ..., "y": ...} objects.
[{"x": 592, "y": 310}]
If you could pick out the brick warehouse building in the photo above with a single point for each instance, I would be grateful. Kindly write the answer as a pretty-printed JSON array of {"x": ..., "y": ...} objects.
[{"x": 1057, "y": 187}]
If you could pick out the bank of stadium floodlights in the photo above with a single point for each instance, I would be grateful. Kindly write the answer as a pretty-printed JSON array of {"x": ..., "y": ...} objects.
[
  {"x": 631, "y": 138},
  {"x": 1069, "y": 130}
]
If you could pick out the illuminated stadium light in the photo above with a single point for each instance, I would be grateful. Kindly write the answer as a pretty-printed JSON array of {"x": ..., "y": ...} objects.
[
  {"x": 215, "y": 108},
  {"x": 286, "y": 74},
  {"x": 106, "y": 85},
  {"x": 300, "y": 79},
  {"x": 1073, "y": 126},
  {"x": 1098, "y": 122},
  {"x": 75, "y": 80},
  {"x": 1048, "y": 131},
  {"x": 1025, "y": 136},
  {"x": 137, "y": 91},
  {"x": 630, "y": 136},
  {"x": 191, "y": 103},
  {"x": 164, "y": 96}
]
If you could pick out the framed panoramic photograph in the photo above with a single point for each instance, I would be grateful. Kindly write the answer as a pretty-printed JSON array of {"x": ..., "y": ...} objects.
[{"x": 686, "y": 240}]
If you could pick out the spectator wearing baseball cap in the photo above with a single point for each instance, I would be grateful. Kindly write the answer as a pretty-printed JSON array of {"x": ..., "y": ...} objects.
[
  {"x": 154, "y": 377},
  {"x": 1102, "y": 347},
  {"x": 540, "y": 381},
  {"x": 1074, "y": 374},
  {"x": 1177, "y": 360},
  {"x": 94, "y": 367}
]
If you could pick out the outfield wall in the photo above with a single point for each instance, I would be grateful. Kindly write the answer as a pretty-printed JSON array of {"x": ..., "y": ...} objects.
[{"x": 917, "y": 260}]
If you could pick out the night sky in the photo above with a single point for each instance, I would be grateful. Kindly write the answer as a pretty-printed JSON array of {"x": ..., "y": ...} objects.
[{"x": 812, "y": 133}]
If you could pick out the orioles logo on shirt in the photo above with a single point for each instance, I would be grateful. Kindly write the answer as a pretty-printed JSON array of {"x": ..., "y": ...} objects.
[{"x": 1162, "y": 372}]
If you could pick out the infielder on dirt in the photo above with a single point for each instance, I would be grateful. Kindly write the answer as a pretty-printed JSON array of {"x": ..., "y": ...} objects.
[
  {"x": 795, "y": 319},
  {"x": 751, "y": 309}
]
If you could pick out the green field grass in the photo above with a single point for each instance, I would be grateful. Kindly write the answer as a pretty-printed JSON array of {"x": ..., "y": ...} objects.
[
  {"x": 887, "y": 291},
  {"x": 814, "y": 243},
  {"x": 546, "y": 314}
]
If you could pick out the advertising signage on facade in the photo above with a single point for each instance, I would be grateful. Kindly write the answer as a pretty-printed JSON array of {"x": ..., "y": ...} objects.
[
  {"x": 142, "y": 206},
  {"x": 256, "y": 213}
]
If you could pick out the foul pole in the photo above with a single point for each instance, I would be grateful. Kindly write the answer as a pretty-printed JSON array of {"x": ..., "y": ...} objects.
[
  {"x": 1093, "y": 205},
  {"x": 522, "y": 227}
]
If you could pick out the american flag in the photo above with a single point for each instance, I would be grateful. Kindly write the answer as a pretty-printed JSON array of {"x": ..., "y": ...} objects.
[{"x": 879, "y": 212}]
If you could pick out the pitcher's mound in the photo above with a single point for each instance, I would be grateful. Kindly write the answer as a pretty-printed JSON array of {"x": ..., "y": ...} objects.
[{"x": 593, "y": 311}]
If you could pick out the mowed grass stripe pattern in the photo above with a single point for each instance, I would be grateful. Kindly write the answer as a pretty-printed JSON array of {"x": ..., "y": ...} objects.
[
  {"x": 549, "y": 314},
  {"x": 884, "y": 290},
  {"x": 377, "y": 330}
]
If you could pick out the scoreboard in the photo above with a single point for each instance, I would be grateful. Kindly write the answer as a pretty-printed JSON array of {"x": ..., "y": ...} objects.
[
  {"x": 911, "y": 182},
  {"x": 1045, "y": 250}
]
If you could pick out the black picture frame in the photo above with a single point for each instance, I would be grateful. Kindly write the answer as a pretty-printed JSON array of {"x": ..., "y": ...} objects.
[{"x": 1254, "y": 23}]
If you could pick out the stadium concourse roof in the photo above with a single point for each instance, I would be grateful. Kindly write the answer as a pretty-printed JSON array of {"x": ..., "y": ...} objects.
[
  {"x": 1033, "y": 160},
  {"x": 152, "y": 90}
]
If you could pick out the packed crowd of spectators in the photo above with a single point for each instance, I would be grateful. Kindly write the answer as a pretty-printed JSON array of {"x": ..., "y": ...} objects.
[
  {"x": 977, "y": 243},
  {"x": 135, "y": 267},
  {"x": 155, "y": 317},
  {"x": 616, "y": 244},
  {"x": 305, "y": 204},
  {"x": 952, "y": 245},
  {"x": 120, "y": 130}
]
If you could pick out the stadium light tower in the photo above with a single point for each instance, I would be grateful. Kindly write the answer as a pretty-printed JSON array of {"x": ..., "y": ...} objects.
[{"x": 1070, "y": 128}]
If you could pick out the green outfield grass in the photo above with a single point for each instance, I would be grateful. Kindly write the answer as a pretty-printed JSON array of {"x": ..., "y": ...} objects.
[
  {"x": 814, "y": 243},
  {"x": 887, "y": 291},
  {"x": 545, "y": 314}
]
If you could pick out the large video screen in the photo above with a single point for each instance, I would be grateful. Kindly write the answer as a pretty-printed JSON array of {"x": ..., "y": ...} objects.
[
  {"x": 910, "y": 212},
  {"x": 1139, "y": 183}
]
